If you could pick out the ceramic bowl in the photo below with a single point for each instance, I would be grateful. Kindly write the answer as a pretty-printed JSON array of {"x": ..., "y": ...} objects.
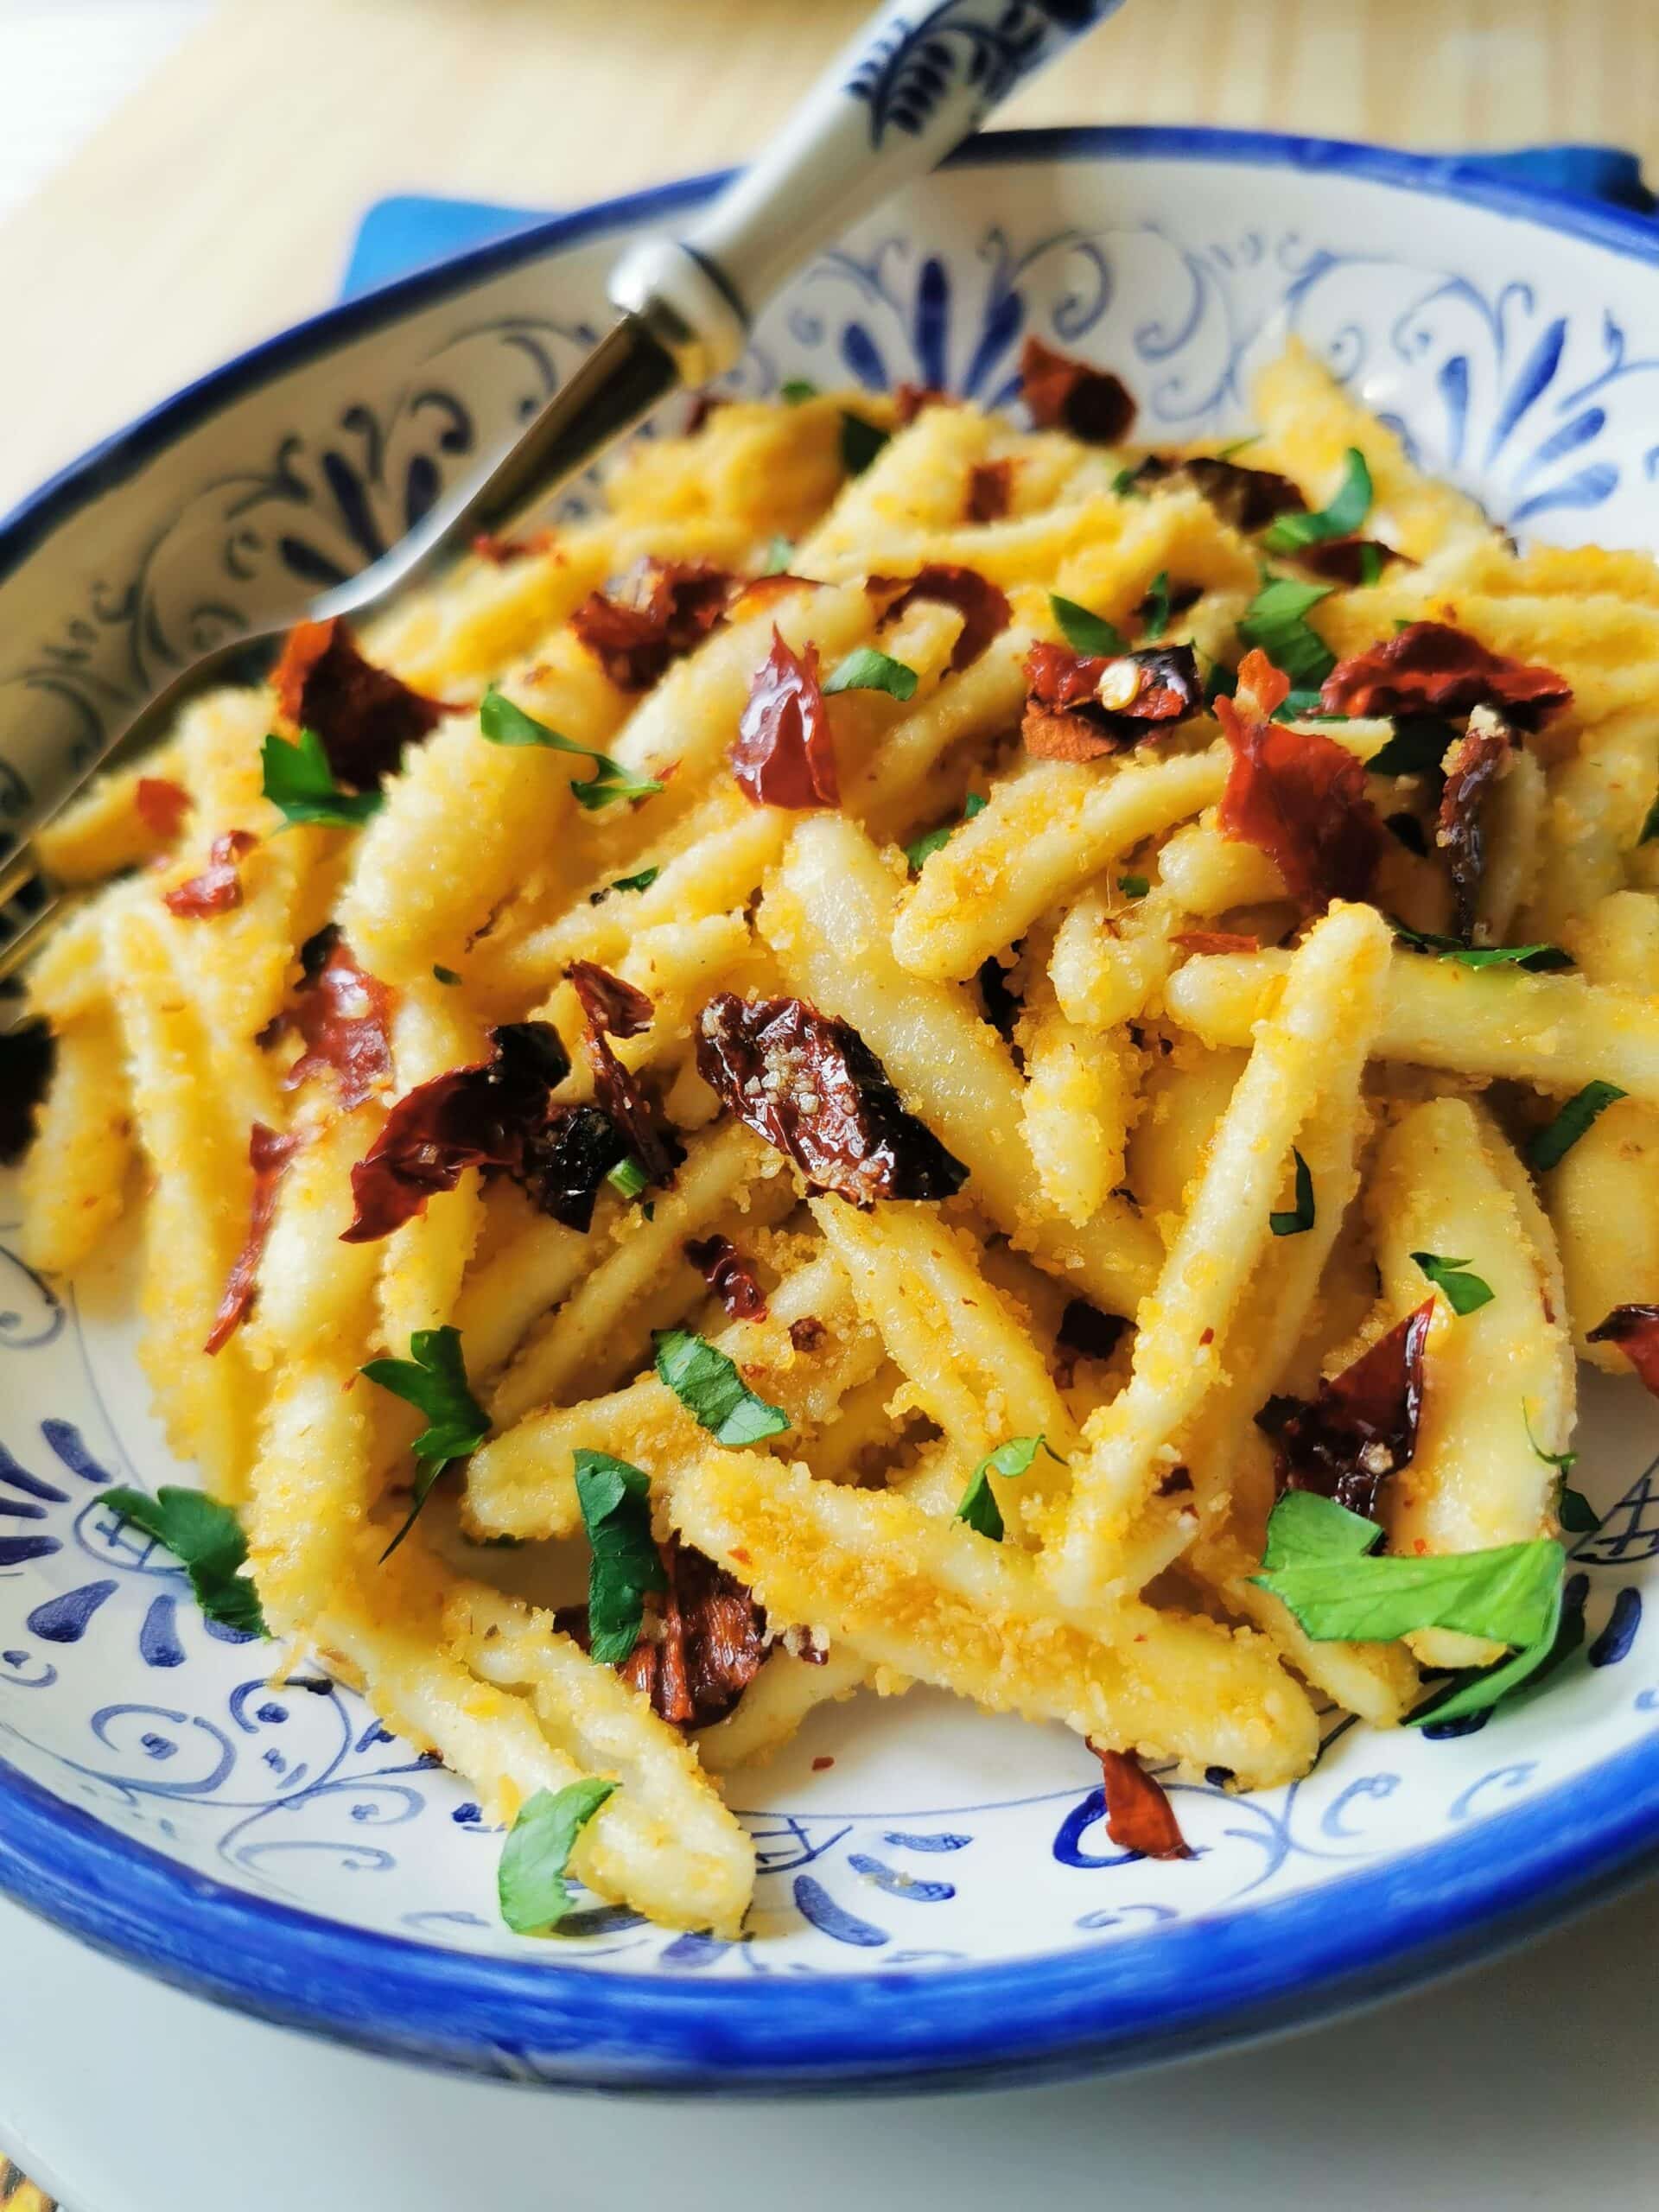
[{"x": 938, "y": 1897}]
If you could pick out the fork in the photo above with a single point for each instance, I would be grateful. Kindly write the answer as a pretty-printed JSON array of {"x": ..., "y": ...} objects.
[{"x": 917, "y": 80}]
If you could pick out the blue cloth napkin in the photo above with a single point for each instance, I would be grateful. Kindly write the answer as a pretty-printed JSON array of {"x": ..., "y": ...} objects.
[{"x": 413, "y": 230}]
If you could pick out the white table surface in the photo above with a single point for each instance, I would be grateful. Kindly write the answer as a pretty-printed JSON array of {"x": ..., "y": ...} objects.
[{"x": 1527, "y": 2082}]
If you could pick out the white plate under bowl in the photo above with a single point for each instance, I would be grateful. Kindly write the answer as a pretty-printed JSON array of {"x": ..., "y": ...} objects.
[{"x": 942, "y": 1899}]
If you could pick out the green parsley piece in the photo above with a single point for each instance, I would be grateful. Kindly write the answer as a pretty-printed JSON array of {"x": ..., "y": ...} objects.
[
  {"x": 794, "y": 390},
  {"x": 1416, "y": 748},
  {"x": 531, "y": 1880},
  {"x": 1300, "y": 1217},
  {"x": 1341, "y": 518},
  {"x": 1133, "y": 886},
  {"x": 616, "y": 1502},
  {"x": 1155, "y": 608},
  {"x": 1125, "y": 487},
  {"x": 1551, "y": 1146},
  {"x": 1276, "y": 622},
  {"x": 1226, "y": 453},
  {"x": 643, "y": 881},
  {"x": 1464, "y": 1293},
  {"x": 1085, "y": 633},
  {"x": 1480, "y": 1689},
  {"x": 926, "y": 847},
  {"x": 780, "y": 551},
  {"x": 1573, "y": 1508},
  {"x": 433, "y": 1379},
  {"x": 1317, "y": 1563},
  {"x": 979, "y": 1508},
  {"x": 1564, "y": 1460},
  {"x": 206, "y": 1540},
  {"x": 867, "y": 670},
  {"x": 627, "y": 1178},
  {"x": 504, "y": 724},
  {"x": 1303, "y": 707},
  {"x": 443, "y": 974},
  {"x": 707, "y": 1384},
  {"x": 861, "y": 441},
  {"x": 1370, "y": 562},
  {"x": 299, "y": 782},
  {"x": 1535, "y": 957}
]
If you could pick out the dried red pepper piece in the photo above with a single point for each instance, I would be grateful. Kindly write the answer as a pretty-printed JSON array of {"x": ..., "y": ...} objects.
[
  {"x": 661, "y": 611},
  {"x": 1635, "y": 1330},
  {"x": 729, "y": 1275},
  {"x": 613, "y": 1008},
  {"x": 1361, "y": 1426},
  {"x": 1474, "y": 765},
  {"x": 1300, "y": 798},
  {"x": 990, "y": 490},
  {"x": 162, "y": 805},
  {"x": 218, "y": 889},
  {"x": 342, "y": 1017},
  {"x": 362, "y": 716},
  {"x": 909, "y": 399},
  {"x": 808, "y": 1333},
  {"x": 704, "y": 1643},
  {"x": 783, "y": 754},
  {"x": 982, "y": 605},
  {"x": 1430, "y": 668},
  {"x": 502, "y": 552},
  {"x": 1062, "y": 394},
  {"x": 811, "y": 1086},
  {"x": 1250, "y": 499},
  {"x": 479, "y": 1115},
  {"x": 268, "y": 1155},
  {"x": 1346, "y": 560},
  {"x": 1080, "y": 707},
  {"x": 1139, "y": 1815}
]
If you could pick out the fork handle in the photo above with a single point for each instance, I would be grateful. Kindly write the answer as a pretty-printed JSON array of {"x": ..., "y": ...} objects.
[{"x": 915, "y": 82}]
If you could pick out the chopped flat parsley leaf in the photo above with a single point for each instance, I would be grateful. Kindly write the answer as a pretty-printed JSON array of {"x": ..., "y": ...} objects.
[
  {"x": 627, "y": 1178},
  {"x": 865, "y": 669},
  {"x": 794, "y": 390},
  {"x": 1085, "y": 632},
  {"x": 504, "y": 724},
  {"x": 1301, "y": 1216},
  {"x": 925, "y": 846},
  {"x": 531, "y": 1880},
  {"x": 206, "y": 1540},
  {"x": 443, "y": 974},
  {"x": 299, "y": 782},
  {"x": 979, "y": 1508},
  {"x": 1532, "y": 956},
  {"x": 433, "y": 1379},
  {"x": 1133, "y": 886},
  {"x": 1155, "y": 608},
  {"x": 643, "y": 881},
  {"x": 616, "y": 1502},
  {"x": 1417, "y": 747},
  {"x": 1340, "y": 518},
  {"x": 1464, "y": 1293},
  {"x": 1276, "y": 622},
  {"x": 1551, "y": 1145},
  {"x": 707, "y": 1384}
]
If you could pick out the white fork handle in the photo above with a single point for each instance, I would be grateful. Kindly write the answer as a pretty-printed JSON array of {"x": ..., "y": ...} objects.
[{"x": 915, "y": 82}]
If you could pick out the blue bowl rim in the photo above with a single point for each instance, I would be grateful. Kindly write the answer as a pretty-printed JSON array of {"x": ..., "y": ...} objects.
[{"x": 1129, "y": 2000}]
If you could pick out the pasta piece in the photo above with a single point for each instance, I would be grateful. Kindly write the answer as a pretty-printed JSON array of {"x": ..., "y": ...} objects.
[
  {"x": 771, "y": 1709},
  {"x": 939, "y": 1603},
  {"x": 1446, "y": 1182},
  {"x": 1556, "y": 1031},
  {"x": 75, "y": 1173},
  {"x": 1315, "y": 1044},
  {"x": 1080, "y": 1099},
  {"x": 102, "y": 830}
]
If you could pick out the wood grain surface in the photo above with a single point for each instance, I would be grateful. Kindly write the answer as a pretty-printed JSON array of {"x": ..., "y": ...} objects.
[{"x": 219, "y": 203}]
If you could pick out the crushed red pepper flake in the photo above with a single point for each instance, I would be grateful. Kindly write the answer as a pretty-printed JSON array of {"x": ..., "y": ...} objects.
[
  {"x": 1361, "y": 1426},
  {"x": 990, "y": 490},
  {"x": 1474, "y": 765},
  {"x": 488, "y": 1115},
  {"x": 783, "y": 754},
  {"x": 729, "y": 1275},
  {"x": 1429, "y": 668},
  {"x": 1299, "y": 796},
  {"x": 661, "y": 611},
  {"x": 983, "y": 606},
  {"x": 614, "y": 1009},
  {"x": 342, "y": 1017},
  {"x": 162, "y": 805},
  {"x": 1250, "y": 499},
  {"x": 909, "y": 400},
  {"x": 268, "y": 1155},
  {"x": 218, "y": 889},
  {"x": 808, "y": 1333},
  {"x": 1067, "y": 716},
  {"x": 1064, "y": 394},
  {"x": 1635, "y": 1330},
  {"x": 1139, "y": 1815},
  {"x": 811, "y": 1086},
  {"x": 362, "y": 715}
]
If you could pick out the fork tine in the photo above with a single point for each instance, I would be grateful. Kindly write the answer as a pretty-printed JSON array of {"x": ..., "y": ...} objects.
[
  {"x": 27, "y": 937},
  {"x": 15, "y": 871}
]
